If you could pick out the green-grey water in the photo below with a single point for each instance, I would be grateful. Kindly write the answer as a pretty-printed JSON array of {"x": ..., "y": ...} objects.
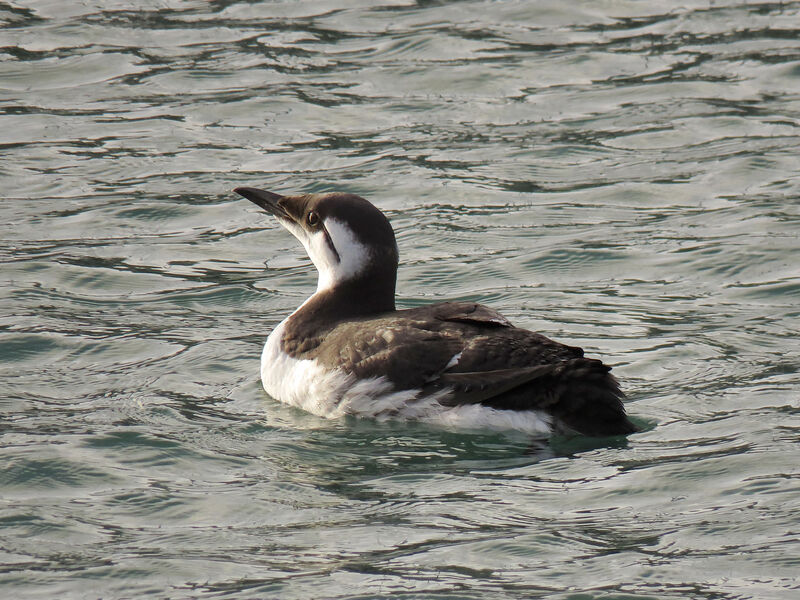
[{"x": 619, "y": 175}]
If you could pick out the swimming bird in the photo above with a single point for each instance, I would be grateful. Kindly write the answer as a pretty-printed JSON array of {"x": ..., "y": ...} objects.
[{"x": 348, "y": 351}]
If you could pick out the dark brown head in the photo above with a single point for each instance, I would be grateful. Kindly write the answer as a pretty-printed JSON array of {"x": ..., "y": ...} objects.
[{"x": 345, "y": 236}]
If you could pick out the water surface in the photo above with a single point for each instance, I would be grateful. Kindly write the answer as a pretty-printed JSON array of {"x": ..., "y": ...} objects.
[{"x": 619, "y": 175}]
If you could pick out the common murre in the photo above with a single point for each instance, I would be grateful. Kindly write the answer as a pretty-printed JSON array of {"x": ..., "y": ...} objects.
[{"x": 347, "y": 351}]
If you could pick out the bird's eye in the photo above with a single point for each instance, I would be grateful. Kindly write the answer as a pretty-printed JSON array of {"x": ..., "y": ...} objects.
[{"x": 312, "y": 219}]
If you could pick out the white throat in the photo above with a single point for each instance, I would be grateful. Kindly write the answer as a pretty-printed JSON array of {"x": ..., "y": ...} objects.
[{"x": 350, "y": 258}]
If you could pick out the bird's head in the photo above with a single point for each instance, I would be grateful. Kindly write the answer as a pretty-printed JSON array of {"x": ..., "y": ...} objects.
[{"x": 345, "y": 236}]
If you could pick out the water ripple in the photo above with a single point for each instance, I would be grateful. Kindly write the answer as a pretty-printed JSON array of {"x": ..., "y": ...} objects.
[{"x": 621, "y": 178}]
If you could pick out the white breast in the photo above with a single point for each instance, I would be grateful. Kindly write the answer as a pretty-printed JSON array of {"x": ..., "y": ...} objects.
[{"x": 332, "y": 393}]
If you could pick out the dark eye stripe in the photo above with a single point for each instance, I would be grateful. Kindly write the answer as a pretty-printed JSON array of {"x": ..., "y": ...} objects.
[{"x": 329, "y": 241}]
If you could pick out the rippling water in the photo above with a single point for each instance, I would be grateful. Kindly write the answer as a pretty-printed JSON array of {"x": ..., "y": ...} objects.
[{"x": 619, "y": 175}]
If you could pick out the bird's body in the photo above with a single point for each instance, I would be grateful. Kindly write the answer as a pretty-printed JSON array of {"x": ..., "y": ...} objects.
[
  {"x": 318, "y": 385},
  {"x": 347, "y": 351}
]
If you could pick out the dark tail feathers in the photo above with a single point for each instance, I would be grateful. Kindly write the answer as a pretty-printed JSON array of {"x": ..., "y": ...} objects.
[{"x": 586, "y": 397}]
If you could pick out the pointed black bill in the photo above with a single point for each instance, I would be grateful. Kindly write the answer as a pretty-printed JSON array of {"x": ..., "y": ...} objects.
[{"x": 266, "y": 200}]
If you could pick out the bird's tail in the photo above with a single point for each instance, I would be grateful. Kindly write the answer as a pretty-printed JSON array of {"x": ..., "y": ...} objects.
[{"x": 586, "y": 398}]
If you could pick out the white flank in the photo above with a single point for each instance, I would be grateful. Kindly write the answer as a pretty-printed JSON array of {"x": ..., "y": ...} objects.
[{"x": 334, "y": 393}]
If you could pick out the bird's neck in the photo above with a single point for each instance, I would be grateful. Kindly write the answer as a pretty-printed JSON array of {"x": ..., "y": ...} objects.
[{"x": 364, "y": 297}]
